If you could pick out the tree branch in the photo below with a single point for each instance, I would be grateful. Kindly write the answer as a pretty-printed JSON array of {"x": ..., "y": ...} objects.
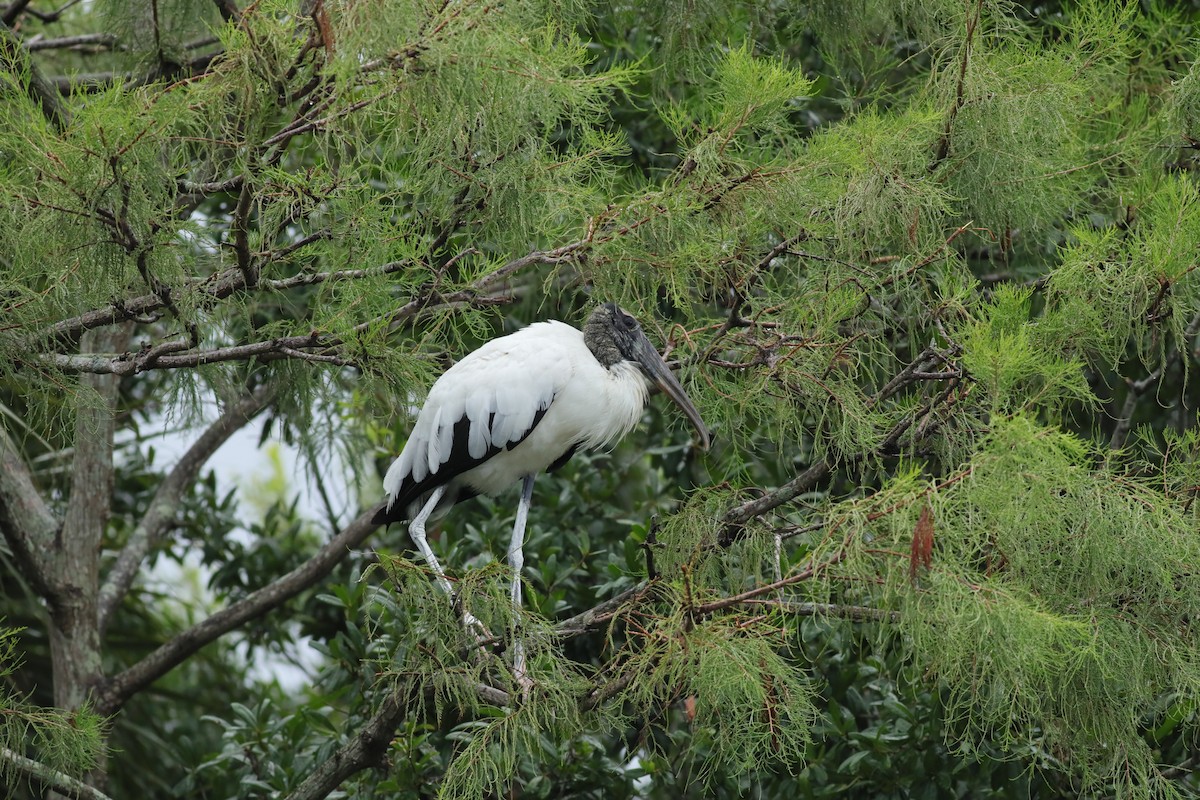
[
  {"x": 160, "y": 515},
  {"x": 807, "y": 609},
  {"x": 29, "y": 526},
  {"x": 169, "y": 356},
  {"x": 13, "y": 11},
  {"x": 226, "y": 283},
  {"x": 367, "y": 748},
  {"x": 84, "y": 40},
  {"x": 240, "y": 232},
  {"x": 114, "y": 692},
  {"x": 600, "y": 613},
  {"x": 119, "y": 311},
  {"x": 74, "y": 572},
  {"x": 1135, "y": 389},
  {"x": 51, "y": 779},
  {"x": 229, "y": 10},
  {"x": 943, "y": 145}
]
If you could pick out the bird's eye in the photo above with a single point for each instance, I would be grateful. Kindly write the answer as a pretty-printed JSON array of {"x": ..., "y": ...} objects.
[{"x": 628, "y": 322}]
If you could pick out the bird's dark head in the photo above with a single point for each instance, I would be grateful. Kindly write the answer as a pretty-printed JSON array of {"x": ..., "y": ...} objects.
[{"x": 614, "y": 336}]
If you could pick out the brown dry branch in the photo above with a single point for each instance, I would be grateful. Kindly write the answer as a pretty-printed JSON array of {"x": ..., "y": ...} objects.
[{"x": 112, "y": 693}]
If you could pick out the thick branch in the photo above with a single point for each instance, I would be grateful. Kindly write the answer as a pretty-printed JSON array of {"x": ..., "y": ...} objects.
[
  {"x": 240, "y": 231},
  {"x": 118, "y": 689},
  {"x": 229, "y": 10},
  {"x": 74, "y": 572},
  {"x": 599, "y": 614},
  {"x": 167, "y": 355},
  {"x": 160, "y": 515},
  {"x": 367, "y": 748},
  {"x": 51, "y": 779},
  {"x": 84, "y": 40},
  {"x": 130, "y": 309},
  {"x": 13, "y": 11},
  {"x": 740, "y": 515},
  {"x": 28, "y": 525}
]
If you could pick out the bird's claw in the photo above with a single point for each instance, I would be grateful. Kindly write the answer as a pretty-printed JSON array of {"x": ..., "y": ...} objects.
[
  {"x": 524, "y": 682},
  {"x": 473, "y": 624}
]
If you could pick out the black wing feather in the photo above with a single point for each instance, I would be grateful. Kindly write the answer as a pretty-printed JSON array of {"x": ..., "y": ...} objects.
[
  {"x": 460, "y": 461},
  {"x": 563, "y": 459}
]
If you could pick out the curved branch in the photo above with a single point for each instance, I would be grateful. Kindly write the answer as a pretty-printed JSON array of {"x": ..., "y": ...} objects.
[
  {"x": 161, "y": 513},
  {"x": 114, "y": 692}
]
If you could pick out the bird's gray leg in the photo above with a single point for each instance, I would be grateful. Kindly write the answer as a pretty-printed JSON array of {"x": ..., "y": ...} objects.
[
  {"x": 516, "y": 559},
  {"x": 416, "y": 531}
]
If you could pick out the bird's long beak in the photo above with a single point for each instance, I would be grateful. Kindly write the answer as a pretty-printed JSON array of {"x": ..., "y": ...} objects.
[{"x": 660, "y": 374}]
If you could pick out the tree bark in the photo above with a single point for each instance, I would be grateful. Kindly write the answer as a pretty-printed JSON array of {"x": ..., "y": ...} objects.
[
  {"x": 73, "y": 574},
  {"x": 29, "y": 527}
]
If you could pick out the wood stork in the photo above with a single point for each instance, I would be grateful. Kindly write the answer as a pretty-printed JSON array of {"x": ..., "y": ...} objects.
[{"x": 521, "y": 404}]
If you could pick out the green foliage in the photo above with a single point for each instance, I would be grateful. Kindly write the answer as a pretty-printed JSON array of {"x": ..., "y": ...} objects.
[
  {"x": 939, "y": 255},
  {"x": 1003, "y": 353},
  {"x": 67, "y": 742},
  {"x": 1136, "y": 285},
  {"x": 748, "y": 705},
  {"x": 1033, "y": 602}
]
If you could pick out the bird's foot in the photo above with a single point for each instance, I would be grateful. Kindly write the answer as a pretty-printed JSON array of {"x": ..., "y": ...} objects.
[
  {"x": 476, "y": 627},
  {"x": 524, "y": 682}
]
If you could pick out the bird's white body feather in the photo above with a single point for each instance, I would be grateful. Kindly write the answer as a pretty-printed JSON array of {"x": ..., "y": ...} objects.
[{"x": 545, "y": 366}]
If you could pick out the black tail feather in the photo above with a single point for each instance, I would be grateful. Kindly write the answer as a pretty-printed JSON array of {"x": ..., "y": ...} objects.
[{"x": 386, "y": 516}]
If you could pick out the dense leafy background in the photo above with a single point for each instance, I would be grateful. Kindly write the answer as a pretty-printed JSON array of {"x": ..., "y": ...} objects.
[{"x": 799, "y": 199}]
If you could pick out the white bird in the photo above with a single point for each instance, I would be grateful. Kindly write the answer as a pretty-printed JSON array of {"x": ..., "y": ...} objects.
[{"x": 521, "y": 404}]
